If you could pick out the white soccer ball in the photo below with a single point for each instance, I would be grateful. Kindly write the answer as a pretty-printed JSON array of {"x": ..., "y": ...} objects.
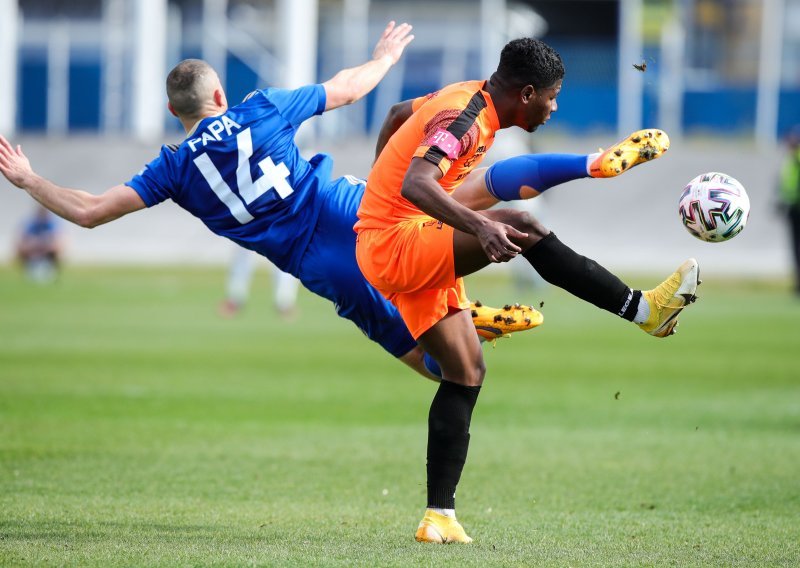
[{"x": 714, "y": 207}]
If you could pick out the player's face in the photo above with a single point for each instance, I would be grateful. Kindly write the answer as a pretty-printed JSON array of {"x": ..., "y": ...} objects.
[{"x": 541, "y": 104}]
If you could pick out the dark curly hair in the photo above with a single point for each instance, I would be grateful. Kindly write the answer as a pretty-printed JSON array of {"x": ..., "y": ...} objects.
[{"x": 529, "y": 61}]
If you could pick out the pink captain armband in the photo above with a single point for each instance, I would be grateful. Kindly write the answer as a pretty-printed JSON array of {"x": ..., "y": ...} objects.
[{"x": 446, "y": 142}]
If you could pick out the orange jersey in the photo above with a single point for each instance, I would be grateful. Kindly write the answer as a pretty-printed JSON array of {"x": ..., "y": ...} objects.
[{"x": 452, "y": 128}]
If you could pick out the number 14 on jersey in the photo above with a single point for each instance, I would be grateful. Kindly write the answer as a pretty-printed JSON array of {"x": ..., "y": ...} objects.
[{"x": 274, "y": 177}]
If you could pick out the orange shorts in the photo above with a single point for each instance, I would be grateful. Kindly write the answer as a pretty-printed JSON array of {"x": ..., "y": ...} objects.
[{"x": 412, "y": 265}]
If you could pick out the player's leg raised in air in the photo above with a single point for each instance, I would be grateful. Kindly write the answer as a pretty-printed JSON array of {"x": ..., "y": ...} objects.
[
  {"x": 529, "y": 175},
  {"x": 655, "y": 311}
]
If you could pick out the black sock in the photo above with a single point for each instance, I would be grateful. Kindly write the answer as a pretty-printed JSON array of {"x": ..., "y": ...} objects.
[
  {"x": 448, "y": 441},
  {"x": 582, "y": 277}
]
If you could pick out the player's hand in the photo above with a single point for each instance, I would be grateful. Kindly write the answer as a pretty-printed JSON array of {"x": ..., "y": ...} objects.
[
  {"x": 14, "y": 164},
  {"x": 393, "y": 41},
  {"x": 495, "y": 240}
]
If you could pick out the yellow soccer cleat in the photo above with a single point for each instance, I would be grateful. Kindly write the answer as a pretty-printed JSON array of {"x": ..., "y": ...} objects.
[
  {"x": 440, "y": 529},
  {"x": 641, "y": 146},
  {"x": 670, "y": 297},
  {"x": 491, "y": 323}
]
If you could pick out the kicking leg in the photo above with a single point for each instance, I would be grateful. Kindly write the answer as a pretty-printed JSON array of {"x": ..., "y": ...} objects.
[
  {"x": 555, "y": 262},
  {"x": 654, "y": 310}
]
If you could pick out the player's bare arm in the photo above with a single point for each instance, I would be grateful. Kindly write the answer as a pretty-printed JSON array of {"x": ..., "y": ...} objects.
[
  {"x": 421, "y": 187},
  {"x": 397, "y": 115},
  {"x": 350, "y": 85},
  {"x": 79, "y": 207}
]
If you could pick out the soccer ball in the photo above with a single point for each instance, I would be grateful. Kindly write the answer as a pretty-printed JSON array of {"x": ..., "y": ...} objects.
[{"x": 714, "y": 207}]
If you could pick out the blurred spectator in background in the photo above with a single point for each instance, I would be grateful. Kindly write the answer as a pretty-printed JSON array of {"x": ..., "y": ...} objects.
[
  {"x": 790, "y": 197},
  {"x": 240, "y": 278},
  {"x": 40, "y": 246}
]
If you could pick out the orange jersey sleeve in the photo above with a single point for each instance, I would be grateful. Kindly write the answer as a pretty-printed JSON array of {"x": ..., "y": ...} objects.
[
  {"x": 452, "y": 128},
  {"x": 419, "y": 101}
]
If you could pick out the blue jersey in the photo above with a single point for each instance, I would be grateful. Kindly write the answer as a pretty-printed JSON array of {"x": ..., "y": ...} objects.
[{"x": 241, "y": 173}]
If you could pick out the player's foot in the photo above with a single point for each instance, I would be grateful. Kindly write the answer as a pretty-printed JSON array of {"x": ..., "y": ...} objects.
[
  {"x": 641, "y": 146},
  {"x": 229, "y": 308},
  {"x": 491, "y": 323},
  {"x": 440, "y": 529},
  {"x": 668, "y": 299},
  {"x": 287, "y": 314}
]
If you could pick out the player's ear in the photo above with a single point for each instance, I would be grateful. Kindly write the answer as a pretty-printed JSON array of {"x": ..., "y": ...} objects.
[
  {"x": 219, "y": 98},
  {"x": 172, "y": 110},
  {"x": 527, "y": 93}
]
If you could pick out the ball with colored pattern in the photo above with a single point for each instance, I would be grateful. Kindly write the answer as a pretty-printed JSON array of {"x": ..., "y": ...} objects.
[{"x": 714, "y": 207}]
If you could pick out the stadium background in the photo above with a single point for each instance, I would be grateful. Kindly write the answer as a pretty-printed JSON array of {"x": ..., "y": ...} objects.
[
  {"x": 138, "y": 428},
  {"x": 722, "y": 78}
]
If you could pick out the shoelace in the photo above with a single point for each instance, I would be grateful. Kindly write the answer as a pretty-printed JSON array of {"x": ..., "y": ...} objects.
[{"x": 663, "y": 298}]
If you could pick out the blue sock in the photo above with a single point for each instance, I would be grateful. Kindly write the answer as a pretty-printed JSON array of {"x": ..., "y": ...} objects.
[
  {"x": 432, "y": 366},
  {"x": 539, "y": 171}
]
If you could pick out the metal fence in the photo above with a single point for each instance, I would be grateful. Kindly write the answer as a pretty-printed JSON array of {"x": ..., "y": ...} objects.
[{"x": 712, "y": 67}]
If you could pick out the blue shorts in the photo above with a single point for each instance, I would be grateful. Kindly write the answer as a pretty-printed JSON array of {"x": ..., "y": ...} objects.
[{"x": 329, "y": 269}]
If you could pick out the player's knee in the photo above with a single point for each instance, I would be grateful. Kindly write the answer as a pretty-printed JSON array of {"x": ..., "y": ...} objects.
[
  {"x": 474, "y": 374},
  {"x": 527, "y": 223},
  {"x": 468, "y": 374}
]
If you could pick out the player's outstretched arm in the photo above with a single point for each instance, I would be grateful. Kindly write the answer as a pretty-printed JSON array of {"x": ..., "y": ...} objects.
[
  {"x": 79, "y": 207},
  {"x": 349, "y": 85}
]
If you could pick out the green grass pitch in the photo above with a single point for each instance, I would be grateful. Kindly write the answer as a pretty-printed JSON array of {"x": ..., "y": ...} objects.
[{"x": 138, "y": 428}]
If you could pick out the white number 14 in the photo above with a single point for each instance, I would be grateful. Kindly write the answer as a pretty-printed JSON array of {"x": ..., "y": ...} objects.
[{"x": 249, "y": 190}]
